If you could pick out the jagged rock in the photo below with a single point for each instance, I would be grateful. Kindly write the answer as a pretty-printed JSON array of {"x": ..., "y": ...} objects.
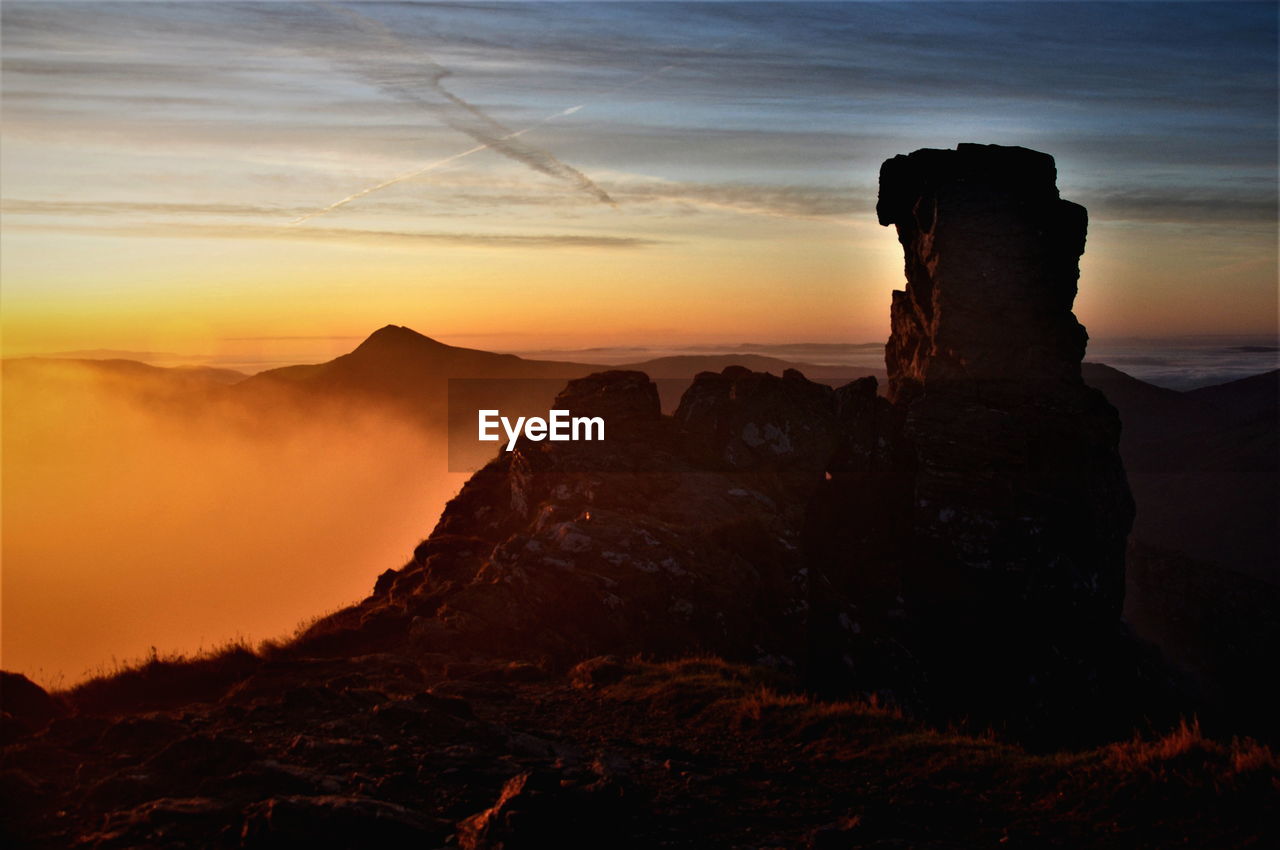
[
  {"x": 142, "y": 734},
  {"x": 859, "y": 525},
  {"x": 1021, "y": 504},
  {"x": 968, "y": 547},
  {"x": 618, "y": 396},
  {"x": 992, "y": 258},
  {"x": 964, "y": 534},
  {"x": 673, "y": 535},
  {"x": 546, "y": 809},
  {"x": 339, "y": 822},
  {"x": 26, "y": 705},
  {"x": 266, "y": 778},
  {"x": 751, "y": 420},
  {"x": 599, "y": 671},
  {"x": 164, "y": 822},
  {"x": 201, "y": 754}
]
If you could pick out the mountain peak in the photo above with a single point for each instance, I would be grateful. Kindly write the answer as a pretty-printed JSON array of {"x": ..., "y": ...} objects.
[{"x": 396, "y": 336}]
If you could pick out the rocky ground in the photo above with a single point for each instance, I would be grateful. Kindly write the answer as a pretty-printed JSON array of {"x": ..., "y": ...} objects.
[{"x": 390, "y": 751}]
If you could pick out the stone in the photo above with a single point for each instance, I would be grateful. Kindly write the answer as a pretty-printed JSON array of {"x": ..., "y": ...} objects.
[
  {"x": 751, "y": 420},
  {"x": 617, "y": 396},
  {"x": 1022, "y": 507},
  {"x": 25, "y": 703},
  {"x": 546, "y": 809},
  {"x": 337, "y": 821}
]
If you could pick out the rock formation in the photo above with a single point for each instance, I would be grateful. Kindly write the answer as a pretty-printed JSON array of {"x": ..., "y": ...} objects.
[
  {"x": 1021, "y": 507},
  {"x": 674, "y": 535},
  {"x": 956, "y": 547},
  {"x": 958, "y": 543},
  {"x": 977, "y": 516}
]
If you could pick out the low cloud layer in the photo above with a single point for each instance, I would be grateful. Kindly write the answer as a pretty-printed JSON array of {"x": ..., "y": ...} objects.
[{"x": 166, "y": 514}]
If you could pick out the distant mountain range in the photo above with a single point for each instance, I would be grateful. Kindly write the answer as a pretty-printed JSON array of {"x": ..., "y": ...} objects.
[
  {"x": 1204, "y": 466},
  {"x": 1203, "y": 463}
]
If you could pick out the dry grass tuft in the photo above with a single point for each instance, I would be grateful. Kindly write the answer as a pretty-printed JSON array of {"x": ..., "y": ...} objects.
[
  {"x": 158, "y": 682},
  {"x": 1185, "y": 749}
]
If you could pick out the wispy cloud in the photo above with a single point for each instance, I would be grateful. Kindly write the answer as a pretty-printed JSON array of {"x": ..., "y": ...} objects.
[
  {"x": 1255, "y": 205},
  {"x": 418, "y": 79},
  {"x": 23, "y": 206},
  {"x": 382, "y": 238},
  {"x": 810, "y": 202}
]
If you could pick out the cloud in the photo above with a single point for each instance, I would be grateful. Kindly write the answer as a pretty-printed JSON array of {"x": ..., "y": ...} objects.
[
  {"x": 419, "y": 79},
  {"x": 1169, "y": 97},
  {"x": 1183, "y": 206},
  {"x": 173, "y": 230},
  {"x": 21, "y": 206},
  {"x": 754, "y": 199},
  {"x": 475, "y": 191}
]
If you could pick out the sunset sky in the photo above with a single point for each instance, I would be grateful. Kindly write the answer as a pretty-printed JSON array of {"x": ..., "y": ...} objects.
[{"x": 688, "y": 172}]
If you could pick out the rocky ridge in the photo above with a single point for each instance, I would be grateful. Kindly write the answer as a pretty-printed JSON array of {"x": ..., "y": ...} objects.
[
  {"x": 951, "y": 550},
  {"x": 957, "y": 545}
]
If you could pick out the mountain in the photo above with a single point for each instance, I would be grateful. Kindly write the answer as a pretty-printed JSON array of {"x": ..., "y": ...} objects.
[
  {"x": 1245, "y": 399},
  {"x": 441, "y": 386},
  {"x": 404, "y": 369},
  {"x": 177, "y": 377},
  {"x": 394, "y": 359},
  {"x": 1202, "y": 463},
  {"x": 785, "y": 615},
  {"x": 1204, "y": 466}
]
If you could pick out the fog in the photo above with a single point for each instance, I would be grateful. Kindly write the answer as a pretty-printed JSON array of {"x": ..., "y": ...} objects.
[{"x": 160, "y": 508}]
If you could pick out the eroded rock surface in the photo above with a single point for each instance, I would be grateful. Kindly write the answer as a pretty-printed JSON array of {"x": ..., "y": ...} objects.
[
  {"x": 977, "y": 516},
  {"x": 1021, "y": 506},
  {"x": 674, "y": 535},
  {"x": 957, "y": 542}
]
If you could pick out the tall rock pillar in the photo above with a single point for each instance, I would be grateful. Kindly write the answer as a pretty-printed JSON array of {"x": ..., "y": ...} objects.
[{"x": 1020, "y": 506}]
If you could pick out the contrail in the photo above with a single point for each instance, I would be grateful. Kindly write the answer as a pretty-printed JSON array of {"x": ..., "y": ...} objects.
[
  {"x": 535, "y": 158},
  {"x": 465, "y": 117},
  {"x": 432, "y": 166},
  {"x": 487, "y": 145}
]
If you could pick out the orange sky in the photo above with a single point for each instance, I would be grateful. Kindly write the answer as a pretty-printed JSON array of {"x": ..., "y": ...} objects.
[
  {"x": 150, "y": 183},
  {"x": 578, "y": 175}
]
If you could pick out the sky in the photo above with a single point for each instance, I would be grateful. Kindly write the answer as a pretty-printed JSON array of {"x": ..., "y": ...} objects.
[{"x": 586, "y": 174}]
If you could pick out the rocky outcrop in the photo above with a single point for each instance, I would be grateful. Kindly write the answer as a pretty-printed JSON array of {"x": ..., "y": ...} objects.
[
  {"x": 976, "y": 517},
  {"x": 992, "y": 259},
  {"x": 958, "y": 542},
  {"x": 1021, "y": 508},
  {"x": 24, "y": 706},
  {"x": 675, "y": 535}
]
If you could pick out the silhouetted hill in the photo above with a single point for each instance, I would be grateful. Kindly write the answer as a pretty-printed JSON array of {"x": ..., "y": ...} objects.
[
  {"x": 1204, "y": 466},
  {"x": 1220, "y": 626},
  {"x": 409, "y": 370},
  {"x": 395, "y": 361},
  {"x": 1203, "y": 572},
  {"x": 176, "y": 376},
  {"x": 393, "y": 356},
  {"x": 1244, "y": 400},
  {"x": 1142, "y": 406}
]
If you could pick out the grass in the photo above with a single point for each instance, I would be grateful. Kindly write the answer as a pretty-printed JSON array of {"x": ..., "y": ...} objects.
[
  {"x": 164, "y": 681},
  {"x": 167, "y": 680},
  {"x": 890, "y": 776},
  {"x": 861, "y": 765},
  {"x": 1184, "y": 751}
]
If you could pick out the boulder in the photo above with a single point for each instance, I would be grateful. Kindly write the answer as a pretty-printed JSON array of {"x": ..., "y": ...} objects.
[{"x": 26, "y": 706}]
